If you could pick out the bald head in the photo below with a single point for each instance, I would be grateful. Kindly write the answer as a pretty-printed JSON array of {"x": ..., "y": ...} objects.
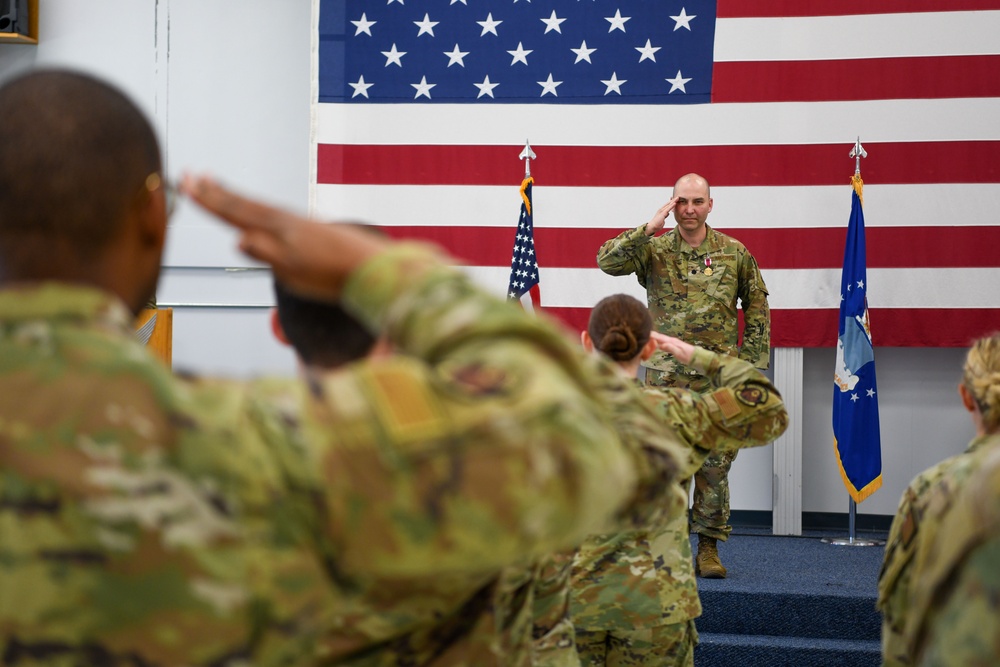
[
  {"x": 693, "y": 181},
  {"x": 75, "y": 154}
]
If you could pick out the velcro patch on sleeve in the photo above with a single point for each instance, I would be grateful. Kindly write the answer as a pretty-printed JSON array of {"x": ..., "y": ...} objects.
[
  {"x": 405, "y": 403},
  {"x": 727, "y": 402}
]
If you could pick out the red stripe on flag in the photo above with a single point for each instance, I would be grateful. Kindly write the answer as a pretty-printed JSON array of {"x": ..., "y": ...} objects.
[
  {"x": 658, "y": 166},
  {"x": 728, "y": 9},
  {"x": 794, "y": 248},
  {"x": 891, "y": 327},
  {"x": 861, "y": 79}
]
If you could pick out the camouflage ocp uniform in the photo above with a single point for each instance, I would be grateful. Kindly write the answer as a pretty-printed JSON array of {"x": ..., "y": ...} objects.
[
  {"x": 149, "y": 519},
  {"x": 956, "y": 591},
  {"x": 634, "y": 594},
  {"x": 693, "y": 294},
  {"x": 915, "y": 530}
]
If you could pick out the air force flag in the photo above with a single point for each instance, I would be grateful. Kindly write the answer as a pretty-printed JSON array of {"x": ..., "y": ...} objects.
[{"x": 856, "y": 438}]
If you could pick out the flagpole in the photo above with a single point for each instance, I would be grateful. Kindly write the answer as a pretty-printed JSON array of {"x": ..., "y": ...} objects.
[{"x": 857, "y": 152}]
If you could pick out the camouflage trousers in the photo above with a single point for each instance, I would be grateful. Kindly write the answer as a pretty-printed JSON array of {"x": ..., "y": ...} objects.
[
  {"x": 710, "y": 503},
  {"x": 553, "y": 642},
  {"x": 660, "y": 646}
]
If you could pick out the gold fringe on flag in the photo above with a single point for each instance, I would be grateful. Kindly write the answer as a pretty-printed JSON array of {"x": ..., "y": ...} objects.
[
  {"x": 859, "y": 186},
  {"x": 857, "y": 494},
  {"x": 524, "y": 186}
]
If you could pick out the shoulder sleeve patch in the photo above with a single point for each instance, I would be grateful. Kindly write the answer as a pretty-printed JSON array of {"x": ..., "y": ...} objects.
[{"x": 752, "y": 394}]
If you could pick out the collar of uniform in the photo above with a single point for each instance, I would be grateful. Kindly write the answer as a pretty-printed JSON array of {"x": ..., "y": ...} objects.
[
  {"x": 711, "y": 242},
  {"x": 981, "y": 441},
  {"x": 63, "y": 301}
]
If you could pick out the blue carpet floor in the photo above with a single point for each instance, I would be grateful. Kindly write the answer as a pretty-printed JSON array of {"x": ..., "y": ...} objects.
[{"x": 791, "y": 601}]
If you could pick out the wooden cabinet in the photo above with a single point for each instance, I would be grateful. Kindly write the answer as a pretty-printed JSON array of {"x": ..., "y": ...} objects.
[{"x": 32, "y": 36}]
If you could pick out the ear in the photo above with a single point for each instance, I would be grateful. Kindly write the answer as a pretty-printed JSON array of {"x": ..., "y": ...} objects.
[
  {"x": 967, "y": 399},
  {"x": 711, "y": 203},
  {"x": 586, "y": 341},
  {"x": 276, "y": 328},
  {"x": 152, "y": 220},
  {"x": 648, "y": 349}
]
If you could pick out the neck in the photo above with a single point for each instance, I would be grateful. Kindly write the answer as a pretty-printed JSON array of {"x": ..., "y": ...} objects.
[
  {"x": 629, "y": 368},
  {"x": 59, "y": 263},
  {"x": 695, "y": 238}
]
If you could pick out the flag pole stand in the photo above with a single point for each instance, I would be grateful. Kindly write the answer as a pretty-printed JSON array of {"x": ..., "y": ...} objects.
[{"x": 852, "y": 540}]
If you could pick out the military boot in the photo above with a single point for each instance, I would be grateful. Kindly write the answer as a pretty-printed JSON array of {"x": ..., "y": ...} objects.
[{"x": 707, "y": 563}]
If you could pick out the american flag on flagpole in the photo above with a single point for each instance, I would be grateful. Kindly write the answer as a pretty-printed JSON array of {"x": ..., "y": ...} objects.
[
  {"x": 418, "y": 105},
  {"x": 523, "y": 283}
]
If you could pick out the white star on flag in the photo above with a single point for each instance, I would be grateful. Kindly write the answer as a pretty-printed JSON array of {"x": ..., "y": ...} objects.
[
  {"x": 426, "y": 26},
  {"x": 552, "y": 23},
  {"x": 617, "y": 21},
  {"x": 520, "y": 55},
  {"x": 614, "y": 84},
  {"x": 393, "y": 56},
  {"x": 361, "y": 88},
  {"x": 364, "y": 25},
  {"x": 456, "y": 56},
  {"x": 423, "y": 88},
  {"x": 682, "y": 20},
  {"x": 582, "y": 53},
  {"x": 549, "y": 86},
  {"x": 648, "y": 52},
  {"x": 489, "y": 25},
  {"x": 677, "y": 83},
  {"x": 486, "y": 87}
]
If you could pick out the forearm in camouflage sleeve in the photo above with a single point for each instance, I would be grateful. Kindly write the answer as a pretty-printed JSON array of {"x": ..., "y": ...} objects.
[
  {"x": 756, "y": 346},
  {"x": 743, "y": 410},
  {"x": 495, "y": 445},
  {"x": 626, "y": 253}
]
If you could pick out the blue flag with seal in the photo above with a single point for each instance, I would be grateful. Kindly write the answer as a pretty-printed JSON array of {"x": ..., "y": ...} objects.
[{"x": 856, "y": 438}]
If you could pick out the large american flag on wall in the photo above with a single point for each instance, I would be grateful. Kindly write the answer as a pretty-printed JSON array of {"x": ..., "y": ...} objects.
[{"x": 421, "y": 108}]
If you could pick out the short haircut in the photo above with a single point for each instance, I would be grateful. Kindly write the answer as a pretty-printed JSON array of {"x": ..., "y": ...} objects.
[
  {"x": 323, "y": 334},
  {"x": 74, "y": 155},
  {"x": 620, "y": 326}
]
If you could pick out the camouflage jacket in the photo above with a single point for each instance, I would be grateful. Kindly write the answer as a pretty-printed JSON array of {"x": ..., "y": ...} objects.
[
  {"x": 645, "y": 578},
  {"x": 955, "y": 614},
  {"x": 149, "y": 519},
  {"x": 688, "y": 304},
  {"x": 913, "y": 530}
]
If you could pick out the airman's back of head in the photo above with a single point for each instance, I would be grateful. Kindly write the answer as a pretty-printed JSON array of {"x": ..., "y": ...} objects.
[
  {"x": 620, "y": 326},
  {"x": 324, "y": 335},
  {"x": 981, "y": 376},
  {"x": 75, "y": 154}
]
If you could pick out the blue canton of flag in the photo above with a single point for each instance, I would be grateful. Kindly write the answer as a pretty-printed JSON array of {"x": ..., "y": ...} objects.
[
  {"x": 523, "y": 263},
  {"x": 549, "y": 51},
  {"x": 855, "y": 399}
]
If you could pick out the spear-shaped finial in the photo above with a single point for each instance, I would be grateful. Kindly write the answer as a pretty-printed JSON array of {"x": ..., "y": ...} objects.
[
  {"x": 527, "y": 155},
  {"x": 857, "y": 153}
]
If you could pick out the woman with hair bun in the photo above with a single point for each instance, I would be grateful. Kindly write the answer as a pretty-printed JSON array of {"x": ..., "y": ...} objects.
[
  {"x": 634, "y": 595},
  {"x": 939, "y": 588}
]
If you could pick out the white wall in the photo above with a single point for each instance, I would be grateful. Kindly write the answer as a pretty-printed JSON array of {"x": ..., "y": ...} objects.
[{"x": 227, "y": 84}]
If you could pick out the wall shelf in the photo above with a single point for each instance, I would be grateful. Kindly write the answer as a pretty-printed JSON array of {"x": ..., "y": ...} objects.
[{"x": 32, "y": 36}]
